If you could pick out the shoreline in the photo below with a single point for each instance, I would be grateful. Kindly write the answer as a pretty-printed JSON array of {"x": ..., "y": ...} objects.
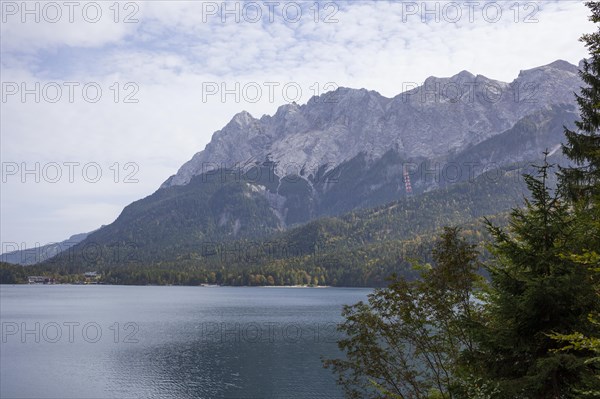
[{"x": 199, "y": 286}]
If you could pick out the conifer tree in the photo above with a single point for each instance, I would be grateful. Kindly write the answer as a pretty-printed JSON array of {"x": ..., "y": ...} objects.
[
  {"x": 582, "y": 181},
  {"x": 536, "y": 292},
  {"x": 582, "y": 184}
]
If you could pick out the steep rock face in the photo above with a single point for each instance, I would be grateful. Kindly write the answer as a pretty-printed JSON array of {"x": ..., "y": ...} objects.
[
  {"x": 441, "y": 117},
  {"x": 526, "y": 140}
]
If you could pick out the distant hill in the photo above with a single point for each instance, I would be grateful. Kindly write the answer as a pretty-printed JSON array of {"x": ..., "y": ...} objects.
[{"x": 32, "y": 256}]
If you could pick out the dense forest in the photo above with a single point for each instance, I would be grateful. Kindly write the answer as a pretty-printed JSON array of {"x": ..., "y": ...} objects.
[{"x": 360, "y": 248}]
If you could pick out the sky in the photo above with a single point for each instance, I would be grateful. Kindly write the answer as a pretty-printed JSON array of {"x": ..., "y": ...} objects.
[{"x": 103, "y": 101}]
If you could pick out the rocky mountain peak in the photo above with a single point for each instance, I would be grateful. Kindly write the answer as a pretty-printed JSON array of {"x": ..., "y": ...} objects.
[
  {"x": 559, "y": 68},
  {"x": 242, "y": 119}
]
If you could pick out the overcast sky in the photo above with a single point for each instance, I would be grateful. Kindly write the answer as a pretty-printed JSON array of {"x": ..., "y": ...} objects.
[{"x": 103, "y": 101}]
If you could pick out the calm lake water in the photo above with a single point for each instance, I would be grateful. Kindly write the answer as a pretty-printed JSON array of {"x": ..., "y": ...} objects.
[{"x": 169, "y": 342}]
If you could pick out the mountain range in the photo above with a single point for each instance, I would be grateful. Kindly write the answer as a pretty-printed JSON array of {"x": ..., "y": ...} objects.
[
  {"x": 443, "y": 116},
  {"x": 452, "y": 143}
]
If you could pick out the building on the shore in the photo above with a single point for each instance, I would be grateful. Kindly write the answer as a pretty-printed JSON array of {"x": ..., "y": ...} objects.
[
  {"x": 40, "y": 280},
  {"x": 91, "y": 277}
]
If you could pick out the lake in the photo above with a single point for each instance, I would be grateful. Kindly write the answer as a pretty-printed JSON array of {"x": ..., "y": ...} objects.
[{"x": 67, "y": 341}]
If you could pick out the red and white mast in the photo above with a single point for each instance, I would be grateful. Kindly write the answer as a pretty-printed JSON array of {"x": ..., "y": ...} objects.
[{"x": 407, "y": 185}]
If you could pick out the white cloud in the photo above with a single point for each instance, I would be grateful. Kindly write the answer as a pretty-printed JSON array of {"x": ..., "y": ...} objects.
[{"x": 44, "y": 26}]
